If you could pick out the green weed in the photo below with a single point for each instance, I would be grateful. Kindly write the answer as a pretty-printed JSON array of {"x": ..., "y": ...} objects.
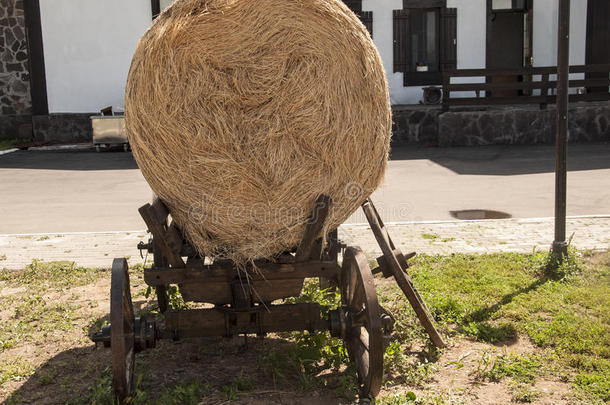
[
  {"x": 41, "y": 275},
  {"x": 14, "y": 369},
  {"x": 8, "y": 143}
]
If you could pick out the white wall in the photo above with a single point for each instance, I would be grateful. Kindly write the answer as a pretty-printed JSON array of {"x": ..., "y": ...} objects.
[
  {"x": 545, "y": 32},
  {"x": 470, "y": 46},
  {"x": 471, "y": 38},
  {"x": 88, "y": 45}
]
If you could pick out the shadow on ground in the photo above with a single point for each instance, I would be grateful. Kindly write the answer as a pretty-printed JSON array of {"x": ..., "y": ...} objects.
[
  {"x": 504, "y": 334},
  {"x": 83, "y": 375},
  {"x": 509, "y": 159},
  {"x": 69, "y": 160}
]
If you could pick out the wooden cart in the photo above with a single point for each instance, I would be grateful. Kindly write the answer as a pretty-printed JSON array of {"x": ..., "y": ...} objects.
[{"x": 242, "y": 298}]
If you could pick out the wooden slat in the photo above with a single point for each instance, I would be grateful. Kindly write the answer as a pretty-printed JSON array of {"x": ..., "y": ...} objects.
[
  {"x": 212, "y": 322},
  {"x": 526, "y": 99},
  {"x": 227, "y": 272},
  {"x": 402, "y": 278},
  {"x": 221, "y": 293},
  {"x": 400, "y": 22},
  {"x": 424, "y": 3},
  {"x": 151, "y": 218},
  {"x": 174, "y": 238},
  {"x": 524, "y": 85},
  {"x": 526, "y": 71},
  {"x": 448, "y": 42},
  {"x": 367, "y": 19},
  {"x": 315, "y": 223},
  {"x": 160, "y": 210}
]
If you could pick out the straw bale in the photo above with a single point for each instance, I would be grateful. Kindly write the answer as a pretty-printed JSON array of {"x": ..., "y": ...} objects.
[{"x": 240, "y": 113}]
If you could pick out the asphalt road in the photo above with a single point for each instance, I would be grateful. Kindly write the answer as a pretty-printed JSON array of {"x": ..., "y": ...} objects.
[{"x": 84, "y": 191}]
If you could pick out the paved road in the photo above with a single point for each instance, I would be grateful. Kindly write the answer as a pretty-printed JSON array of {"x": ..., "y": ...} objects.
[{"x": 68, "y": 191}]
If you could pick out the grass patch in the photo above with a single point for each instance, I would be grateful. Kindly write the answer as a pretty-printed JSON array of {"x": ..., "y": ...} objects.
[
  {"x": 41, "y": 275},
  {"x": 14, "y": 369},
  {"x": 8, "y": 143},
  {"x": 524, "y": 368},
  {"x": 430, "y": 236},
  {"x": 561, "y": 307}
]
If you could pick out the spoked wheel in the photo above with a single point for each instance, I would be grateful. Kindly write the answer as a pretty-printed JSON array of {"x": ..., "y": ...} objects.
[
  {"x": 122, "y": 337},
  {"x": 363, "y": 328}
]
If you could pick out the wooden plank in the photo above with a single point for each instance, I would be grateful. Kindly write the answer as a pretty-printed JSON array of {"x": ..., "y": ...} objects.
[
  {"x": 403, "y": 279},
  {"x": 150, "y": 217},
  {"x": 174, "y": 238},
  {"x": 527, "y": 71},
  {"x": 594, "y": 68},
  {"x": 160, "y": 210},
  {"x": 220, "y": 293},
  {"x": 523, "y": 85},
  {"x": 424, "y": 3},
  {"x": 501, "y": 100},
  {"x": 315, "y": 223},
  {"x": 227, "y": 272},
  {"x": 501, "y": 72},
  {"x": 216, "y": 322},
  {"x": 527, "y": 99}
]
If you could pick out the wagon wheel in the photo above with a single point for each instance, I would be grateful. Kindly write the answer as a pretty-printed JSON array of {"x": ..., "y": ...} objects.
[
  {"x": 122, "y": 337},
  {"x": 396, "y": 264},
  {"x": 363, "y": 334}
]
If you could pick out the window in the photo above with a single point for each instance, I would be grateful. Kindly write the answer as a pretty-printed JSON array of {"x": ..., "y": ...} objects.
[
  {"x": 424, "y": 41},
  {"x": 508, "y": 5},
  {"x": 365, "y": 16},
  {"x": 423, "y": 38},
  {"x": 158, "y": 6}
]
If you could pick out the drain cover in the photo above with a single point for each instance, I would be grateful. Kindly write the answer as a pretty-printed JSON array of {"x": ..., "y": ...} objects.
[{"x": 479, "y": 214}]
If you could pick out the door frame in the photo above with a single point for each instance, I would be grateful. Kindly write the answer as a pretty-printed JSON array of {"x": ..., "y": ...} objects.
[
  {"x": 529, "y": 13},
  {"x": 530, "y": 26}
]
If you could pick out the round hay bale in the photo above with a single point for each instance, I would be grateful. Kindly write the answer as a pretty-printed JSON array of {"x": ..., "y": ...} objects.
[{"x": 241, "y": 113}]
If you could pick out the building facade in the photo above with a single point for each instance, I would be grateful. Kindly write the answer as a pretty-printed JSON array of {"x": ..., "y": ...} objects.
[{"x": 62, "y": 60}]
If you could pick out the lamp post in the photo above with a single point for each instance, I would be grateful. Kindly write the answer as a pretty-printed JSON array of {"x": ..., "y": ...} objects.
[{"x": 560, "y": 246}]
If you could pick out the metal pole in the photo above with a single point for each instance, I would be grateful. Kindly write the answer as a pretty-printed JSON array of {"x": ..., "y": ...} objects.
[{"x": 560, "y": 246}]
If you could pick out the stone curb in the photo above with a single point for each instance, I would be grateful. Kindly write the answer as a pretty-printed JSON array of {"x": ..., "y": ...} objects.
[{"x": 97, "y": 249}]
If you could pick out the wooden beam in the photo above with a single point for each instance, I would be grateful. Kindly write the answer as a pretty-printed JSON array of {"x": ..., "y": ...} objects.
[
  {"x": 227, "y": 272},
  {"x": 315, "y": 223},
  {"x": 219, "y": 322},
  {"x": 158, "y": 229}
]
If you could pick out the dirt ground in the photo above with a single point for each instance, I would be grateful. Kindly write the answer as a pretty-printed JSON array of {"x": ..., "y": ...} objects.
[{"x": 52, "y": 361}]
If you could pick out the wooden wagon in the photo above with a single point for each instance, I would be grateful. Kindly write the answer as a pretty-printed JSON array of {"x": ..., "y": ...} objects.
[{"x": 243, "y": 298}]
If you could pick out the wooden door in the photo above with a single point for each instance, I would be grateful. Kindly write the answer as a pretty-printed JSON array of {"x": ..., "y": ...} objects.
[
  {"x": 598, "y": 39},
  {"x": 505, "y": 47}
]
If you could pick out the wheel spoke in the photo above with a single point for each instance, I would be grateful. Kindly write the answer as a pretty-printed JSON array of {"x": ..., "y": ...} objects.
[
  {"x": 357, "y": 297},
  {"x": 363, "y": 337}
]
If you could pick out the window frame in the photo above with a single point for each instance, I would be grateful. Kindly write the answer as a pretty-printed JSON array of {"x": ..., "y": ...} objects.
[
  {"x": 427, "y": 78},
  {"x": 415, "y": 78}
]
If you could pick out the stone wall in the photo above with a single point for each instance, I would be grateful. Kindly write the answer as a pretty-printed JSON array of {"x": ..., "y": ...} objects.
[
  {"x": 469, "y": 126},
  {"x": 415, "y": 125},
  {"x": 587, "y": 122},
  {"x": 15, "y": 99},
  {"x": 63, "y": 128}
]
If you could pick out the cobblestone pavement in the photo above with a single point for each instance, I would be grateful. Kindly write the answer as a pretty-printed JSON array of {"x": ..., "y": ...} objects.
[{"x": 430, "y": 237}]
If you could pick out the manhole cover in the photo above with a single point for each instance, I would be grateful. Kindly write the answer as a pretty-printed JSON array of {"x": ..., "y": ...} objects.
[{"x": 479, "y": 214}]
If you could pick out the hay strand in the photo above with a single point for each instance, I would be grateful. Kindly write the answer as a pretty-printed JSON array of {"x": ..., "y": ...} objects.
[{"x": 241, "y": 113}]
